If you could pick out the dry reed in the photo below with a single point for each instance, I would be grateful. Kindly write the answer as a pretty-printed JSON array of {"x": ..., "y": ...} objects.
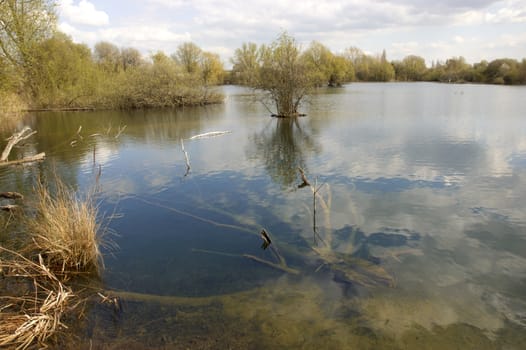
[
  {"x": 35, "y": 314},
  {"x": 65, "y": 230}
]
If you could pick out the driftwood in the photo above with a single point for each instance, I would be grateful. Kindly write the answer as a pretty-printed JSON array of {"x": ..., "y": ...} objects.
[
  {"x": 209, "y": 134},
  {"x": 14, "y": 139},
  {"x": 34, "y": 158},
  {"x": 17, "y": 137}
]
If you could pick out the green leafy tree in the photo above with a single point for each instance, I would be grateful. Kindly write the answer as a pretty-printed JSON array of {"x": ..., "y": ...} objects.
[
  {"x": 130, "y": 58},
  {"x": 411, "y": 68},
  {"x": 211, "y": 67},
  {"x": 342, "y": 71},
  {"x": 360, "y": 61},
  {"x": 245, "y": 64},
  {"x": 284, "y": 76},
  {"x": 503, "y": 71},
  {"x": 108, "y": 56},
  {"x": 318, "y": 60},
  {"x": 457, "y": 70},
  {"x": 381, "y": 69},
  {"x": 24, "y": 24},
  {"x": 189, "y": 55},
  {"x": 65, "y": 74}
]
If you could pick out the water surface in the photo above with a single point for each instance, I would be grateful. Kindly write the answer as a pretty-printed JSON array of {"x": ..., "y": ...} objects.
[{"x": 421, "y": 188}]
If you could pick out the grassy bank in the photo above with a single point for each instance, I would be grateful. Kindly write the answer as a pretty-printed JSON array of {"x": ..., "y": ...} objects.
[{"x": 60, "y": 236}]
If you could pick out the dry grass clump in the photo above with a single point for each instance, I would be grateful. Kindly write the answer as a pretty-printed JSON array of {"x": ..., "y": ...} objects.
[
  {"x": 65, "y": 230},
  {"x": 34, "y": 314}
]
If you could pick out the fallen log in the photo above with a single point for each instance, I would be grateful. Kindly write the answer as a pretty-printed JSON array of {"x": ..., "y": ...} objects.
[{"x": 34, "y": 158}]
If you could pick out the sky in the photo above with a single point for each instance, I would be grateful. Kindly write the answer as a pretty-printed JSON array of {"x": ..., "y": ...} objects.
[{"x": 434, "y": 30}]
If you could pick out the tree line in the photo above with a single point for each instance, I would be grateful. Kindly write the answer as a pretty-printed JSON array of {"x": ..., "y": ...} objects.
[
  {"x": 330, "y": 69},
  {"x": 42, "y": 68}
]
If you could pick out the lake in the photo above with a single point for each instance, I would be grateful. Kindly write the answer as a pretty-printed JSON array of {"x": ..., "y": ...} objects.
[{"x": 412, "y": 234}]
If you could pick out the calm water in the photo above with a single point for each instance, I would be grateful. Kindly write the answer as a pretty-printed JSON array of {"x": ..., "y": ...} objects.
[{"x": 418, "y": 238}]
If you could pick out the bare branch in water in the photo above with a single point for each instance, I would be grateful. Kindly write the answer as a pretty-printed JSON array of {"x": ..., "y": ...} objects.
[
  {"x": 121, "y": 129},
  {"x": 265, "y": 238},
  {"x": 305, "y": 182},
  {"x": 14, "y": 139},
  {"x": 186, "y": 158},
  {"x": 209, "y": 134}
]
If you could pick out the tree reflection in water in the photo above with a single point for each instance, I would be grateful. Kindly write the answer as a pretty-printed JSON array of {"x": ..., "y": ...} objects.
[{"x": 283, "y": 148}]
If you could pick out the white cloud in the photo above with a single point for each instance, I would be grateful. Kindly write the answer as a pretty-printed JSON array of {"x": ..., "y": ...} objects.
[
  {"x": 144, "y": 33},
  {"x": 402, "y": 27},
  {"x": 513, "y": 11},
  {"x": 458, "y": 39},
  {"x": 82, "y": 13}
]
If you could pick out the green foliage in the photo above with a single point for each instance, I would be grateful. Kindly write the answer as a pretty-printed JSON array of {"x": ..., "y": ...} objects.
[
  {"x": 162, "y": 83},
  {"x": 211, "y": 67},
  {"x": 325, "y": 68},
  {"x": 64, "y": 74},
  {"x": 246, "y": 60},
  {"x": 411, "y": 68},
  {"x": 188, "y": 55},
  {"x": 107, "y": 56},
  {"x": 23, "y": 26},
  {"x": 318, "y": 60},
  {"x": 43, "y": 68},
  {"x": 283, "y": 74},
  {"x": 500, "y": 71},
  {"x": 198, "y": 64}
]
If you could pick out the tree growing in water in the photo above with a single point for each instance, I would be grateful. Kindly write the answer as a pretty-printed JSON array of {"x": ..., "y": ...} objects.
[
  {"x": 284, "y": 75},
  {"x": 281, "y": 73}
]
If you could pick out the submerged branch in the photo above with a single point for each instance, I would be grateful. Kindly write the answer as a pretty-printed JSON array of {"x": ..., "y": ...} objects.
[
  {"x": 280, "y": 267},
  {"x": 120, "y": 131}
]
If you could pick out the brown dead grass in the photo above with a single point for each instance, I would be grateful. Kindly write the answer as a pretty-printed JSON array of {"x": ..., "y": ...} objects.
[
  {"x": 65, "y": 230},
  {"x": 34, "y": 314}
]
